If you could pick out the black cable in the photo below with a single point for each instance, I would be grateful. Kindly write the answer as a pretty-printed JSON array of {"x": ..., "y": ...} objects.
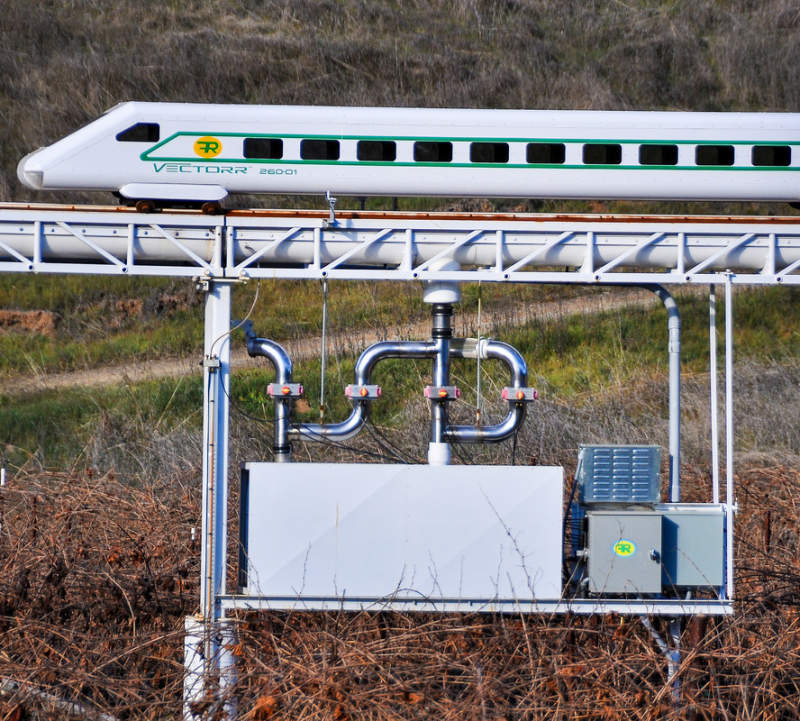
[
  {"x": 567, "y": 515},
  {"x": 242, "y": 412},
  {"x": 514, "y": 447},
  {"x": 458, "y": 448},
  {"x": 568, "y": 509},
  {"x": 319, "y": 438},
  {"x": 383, "y": 441}
]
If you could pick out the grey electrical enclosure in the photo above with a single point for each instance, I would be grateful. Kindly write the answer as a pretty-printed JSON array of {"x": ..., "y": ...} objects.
[
  {"x": 675, "y": 545},
  {"x": 315, "y": 533},
  {"x": 619, "y": 474},
  {"x": 624, "y": 552},
  {"x": 692, "y": 545}
]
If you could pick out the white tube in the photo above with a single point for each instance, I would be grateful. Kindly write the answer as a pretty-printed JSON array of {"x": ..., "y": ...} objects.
[
  {"x": 227, "y": 668},
  {"x": 193, "y": 665},
  {"x": 674, "y": 331},
  {"x": 439, "y": 454}
]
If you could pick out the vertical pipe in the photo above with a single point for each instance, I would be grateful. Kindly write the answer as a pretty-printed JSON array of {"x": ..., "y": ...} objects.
[
  {"x": 283, "y": 374},
  {"x": 713, "y": 382},
  {"x": 441, "y": 375},
  {"x": 729, "y": 431},
  {"x": 442, "y": 331},
  {"x": 674, "y": 330},
  {"x": 227, "y": 668},
  {"x": 674, "y": 661},
  {"x": 672, "y": 654}
]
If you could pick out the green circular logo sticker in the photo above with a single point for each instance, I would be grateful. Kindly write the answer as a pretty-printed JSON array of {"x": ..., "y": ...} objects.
[{"x": 624, "y": 548}]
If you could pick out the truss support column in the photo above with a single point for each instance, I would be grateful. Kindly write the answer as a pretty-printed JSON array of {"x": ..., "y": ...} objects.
[
  {"x": 208, "y": 626},
  {"x": 714, "y": 391},
  {"x": 729, "y": 502}
]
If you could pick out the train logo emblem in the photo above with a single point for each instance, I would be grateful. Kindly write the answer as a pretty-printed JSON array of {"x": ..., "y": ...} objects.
[
  {"x": 624, "y": 548},
  {"x": 207, "y": 147}
]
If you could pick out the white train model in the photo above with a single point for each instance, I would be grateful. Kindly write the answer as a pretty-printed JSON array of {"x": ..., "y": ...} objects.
[{"x": 160, "y": 154}]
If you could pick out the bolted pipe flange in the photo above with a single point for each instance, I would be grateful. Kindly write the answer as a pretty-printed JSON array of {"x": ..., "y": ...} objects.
[
  {"x": 285, "y": 390},
  {"x": 442, "y": 393},
  {"x": 366, "y": 392},
  {"x": 520, "y": 395}
]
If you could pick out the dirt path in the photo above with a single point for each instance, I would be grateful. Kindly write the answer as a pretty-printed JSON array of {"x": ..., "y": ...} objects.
[{"x": 352, "y": 341}]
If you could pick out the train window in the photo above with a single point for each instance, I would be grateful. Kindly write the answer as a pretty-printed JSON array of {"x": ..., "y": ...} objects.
[
  {"x": 658, "y": 154},
  {"x": 545, "y": 153},
  {"x": 433, "y": 152},
  {"x": 319, "y": 149},
  {"x": 140, "y": 133},
  {"x": 714, "y": 155},
  {"x": 775, "y": 155},
  {"x": 602, "y": 154},
  {"x": 488, "y": 152},
  {"x": 268, "y": 148},
  {"x": 376, "y": 150}
]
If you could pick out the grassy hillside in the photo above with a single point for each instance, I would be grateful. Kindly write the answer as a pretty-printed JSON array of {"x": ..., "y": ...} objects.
[{"x": 612, "y": 364}]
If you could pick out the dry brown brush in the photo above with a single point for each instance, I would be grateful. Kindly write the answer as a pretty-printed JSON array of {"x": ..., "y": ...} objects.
[{"x": 96, "y": 577}]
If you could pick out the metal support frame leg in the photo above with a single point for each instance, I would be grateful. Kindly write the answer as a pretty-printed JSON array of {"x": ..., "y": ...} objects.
[
  {"x": 729, "y": 500},
  {"x": 672, "y": 653},
  {"x": 213, "y": 655},
  {"x": 713, "y": 391}
]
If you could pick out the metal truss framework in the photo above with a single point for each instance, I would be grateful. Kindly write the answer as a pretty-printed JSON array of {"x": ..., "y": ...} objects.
[
  {"x": 621, "y": 250},
  {"x": 223, "y": 250}
]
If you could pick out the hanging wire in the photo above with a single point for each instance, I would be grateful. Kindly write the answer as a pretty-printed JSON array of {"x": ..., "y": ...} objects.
[
  {"x": 323, "y": 355},
  {"x": 240, "y": 323},
  {"x": 460, "y": 451},
  {"x": 388, "y": 445},
  {"x": 514, "y": 448},
  {"x": 318, "y": 438}
]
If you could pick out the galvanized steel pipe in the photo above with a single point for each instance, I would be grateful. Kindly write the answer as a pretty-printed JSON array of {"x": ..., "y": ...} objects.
[
  {"x": 349, "y": 427},
  {"x": 283, "y": 374},
  {"x": 488, "y": 349}
]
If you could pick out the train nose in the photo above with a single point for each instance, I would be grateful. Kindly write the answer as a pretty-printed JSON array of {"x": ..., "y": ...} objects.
[{"x": 29, "y": 172}]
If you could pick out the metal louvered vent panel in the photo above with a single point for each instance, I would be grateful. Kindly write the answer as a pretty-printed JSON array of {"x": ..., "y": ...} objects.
[{"x": 619, "y": 474}]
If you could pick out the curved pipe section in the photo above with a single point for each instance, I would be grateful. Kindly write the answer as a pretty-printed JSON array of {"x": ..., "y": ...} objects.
[
  {"x": 365, "y": 364},
  {"x": 491, "y": 349},
  {"x": 279, "y": 358}
]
